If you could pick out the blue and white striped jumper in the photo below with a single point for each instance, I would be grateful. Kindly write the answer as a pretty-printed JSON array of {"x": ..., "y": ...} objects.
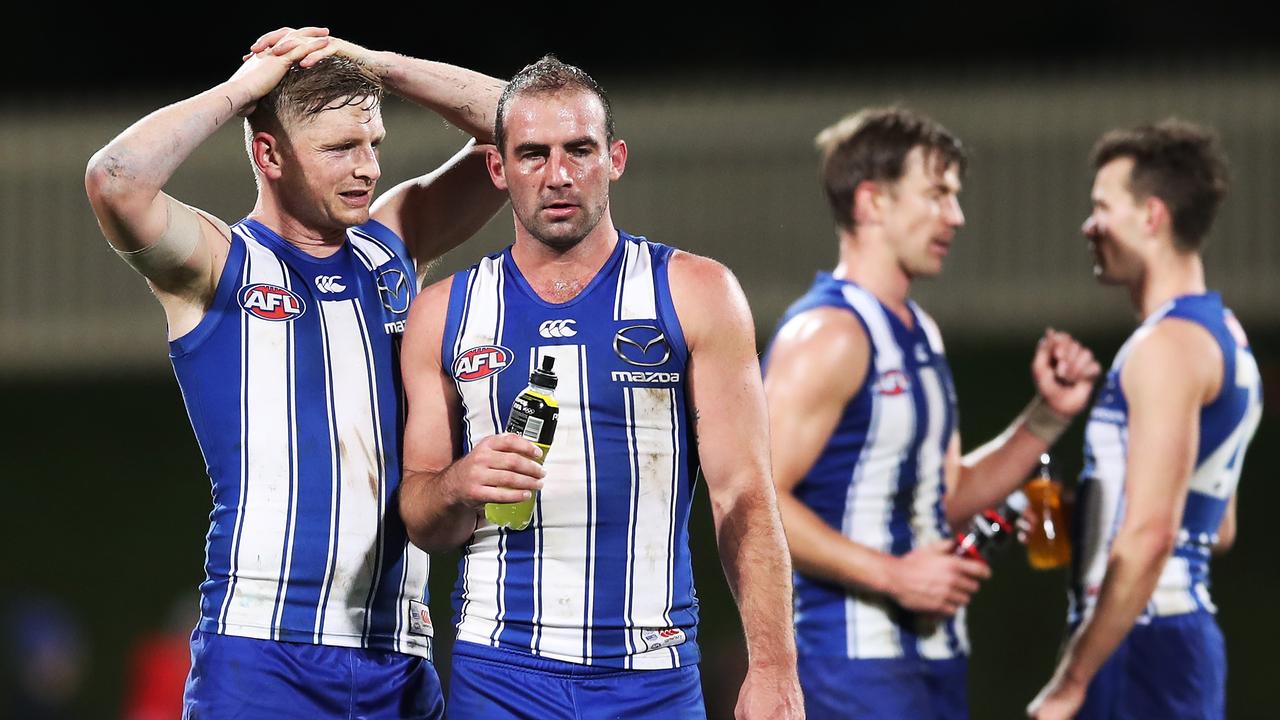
[
  {"x": 602, "y": 575},
  {"x": 879, "y": 482},
  {"x": 292, "y": 384},
  {"x": 1226, "y": 426}
]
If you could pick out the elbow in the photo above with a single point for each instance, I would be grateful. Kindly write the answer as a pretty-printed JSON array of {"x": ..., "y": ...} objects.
[
  {"x": 99, "y": 176},
  {"x": 1149, "y": 543},
  {"x": 106, "y": 181}
]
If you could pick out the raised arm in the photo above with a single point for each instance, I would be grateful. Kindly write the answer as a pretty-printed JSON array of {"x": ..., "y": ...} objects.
[
  {"x": 818, "y": 363},
  {"x": 443, "y": 208},
  {"x": 732, "y": 431},
  {"x": 1170, "y": 375},
  {"x": 441, "y": 500},
  {"x": 179, "y": 249},
  {"x": 1063, "y": 371}
]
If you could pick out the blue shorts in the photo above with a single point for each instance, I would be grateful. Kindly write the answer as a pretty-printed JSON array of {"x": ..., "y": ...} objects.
[
  {"x": 246, "y": 679},
  {"x": 494, "y": 684},
  {"x": 884, "y": 689},
  {"x": 1174, "y": 667}
]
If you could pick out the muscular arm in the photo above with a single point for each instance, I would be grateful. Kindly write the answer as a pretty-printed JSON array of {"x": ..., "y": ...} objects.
[
  {"x": 1063, "y": 372},
  {"x": 732, "y": 434},
  {"x": 816, "y": 366},
  {"x": 1170, "y": 375},
  {"x": 442, "y": 497},
  {"x": 440, "y": 210},
  {"x": 124, "y": 181}
]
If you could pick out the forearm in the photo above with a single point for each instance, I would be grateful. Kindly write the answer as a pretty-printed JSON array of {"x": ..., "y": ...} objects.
[
  {"x": 753, "y": 552},
  {"x": 135, "y": 166},
  {"x": 465, "y": 98},
  {"x": 990, "y": 473},
  {"x": 432, "y": 521},
  {"x": 819, "y": 551},
  {"x": 1133, "y": 571}
]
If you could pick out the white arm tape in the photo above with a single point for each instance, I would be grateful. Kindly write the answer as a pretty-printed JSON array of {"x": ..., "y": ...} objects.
[
  {"x": 1040, "y": 420},
  {"x": 173, "y": 248}
]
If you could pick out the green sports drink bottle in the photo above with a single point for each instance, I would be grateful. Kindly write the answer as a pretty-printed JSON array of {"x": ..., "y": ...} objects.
[{"x": 533, "y": 417}]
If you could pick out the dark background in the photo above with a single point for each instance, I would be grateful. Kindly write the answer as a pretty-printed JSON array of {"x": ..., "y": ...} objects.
[{"x": 107, "y": 517}]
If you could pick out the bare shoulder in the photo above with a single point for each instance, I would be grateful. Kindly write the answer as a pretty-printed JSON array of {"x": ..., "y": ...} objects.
[
  {"x": 708, "y": 300},
  {"x": 1175, "y": 357},
  {"x": 824, "y": 348},
  {"x": 425, "y": 326}
]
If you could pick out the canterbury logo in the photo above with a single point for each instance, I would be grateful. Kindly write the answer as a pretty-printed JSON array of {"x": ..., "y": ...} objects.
[
  {"x": 330, "y": 283},
  {"x": 557, "y": 329}
]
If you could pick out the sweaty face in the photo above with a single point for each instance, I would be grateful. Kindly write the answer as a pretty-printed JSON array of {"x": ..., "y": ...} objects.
[
  {"x": 331, "y": 166},
  {"x": 557, "y": 165},
  {"x": 923, "y": 213},
  {"x": 1114, "y": 227}
]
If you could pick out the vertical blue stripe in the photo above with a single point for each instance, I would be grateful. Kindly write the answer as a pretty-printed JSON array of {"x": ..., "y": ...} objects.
[
  {"x": 336, "y": 478},
  {"x": 290, "y": 353},
  {"x": 587, "y": 453},
  {"x": 314, "y": 498},
  {"x": 900, "y": 531},
  {"x": 233, "y": 565}
]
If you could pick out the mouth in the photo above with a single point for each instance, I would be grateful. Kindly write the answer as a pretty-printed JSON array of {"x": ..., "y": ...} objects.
[
  {"x": 560, "y": 210},
  {"x": 940, "y": 246},
  {"x": 356, "y": 198}
]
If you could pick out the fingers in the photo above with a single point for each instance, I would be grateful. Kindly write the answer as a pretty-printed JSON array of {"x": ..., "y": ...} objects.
[
  {"x": 268, "y": 40},
  {"x": 512, "y": 443},
  {"x": 974, "y": 569}
]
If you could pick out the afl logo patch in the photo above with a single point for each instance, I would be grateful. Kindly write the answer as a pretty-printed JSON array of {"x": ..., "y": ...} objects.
[
  {"x": 481, "y": 362},
  {"x": 271, "y": 302},
  {"x": 893, "y": 382}
]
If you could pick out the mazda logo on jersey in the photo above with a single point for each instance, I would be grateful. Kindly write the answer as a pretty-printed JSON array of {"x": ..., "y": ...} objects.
[
  {"x": 642, "y": 345},
  {"x": 480, "y": 362},
  {"x": 557, "y": 329},
  {"x": 271, "y": 302},
  {"x": 394, "y": 288}
]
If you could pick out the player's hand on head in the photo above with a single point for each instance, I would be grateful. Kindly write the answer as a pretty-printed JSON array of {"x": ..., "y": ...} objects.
[
  {"x": 1064, "y": 372},
  {"x": 280, "y": 41},
  {"x": 930, "y": 579},
  {"x": 284, "y": 40},
  {"x": 499, "y": 469},
  {"x": 261, "y": 71}
]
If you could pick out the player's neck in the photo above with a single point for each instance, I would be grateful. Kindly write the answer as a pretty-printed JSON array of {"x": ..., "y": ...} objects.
[
  {"x": 1168, "y": 276},
  {"x": 316, "y": 243},
  {"x": 876, "y": 270},
  {"x": 559, "y": 274}
]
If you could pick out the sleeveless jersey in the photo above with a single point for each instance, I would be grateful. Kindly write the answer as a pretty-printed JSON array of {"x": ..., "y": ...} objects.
[
  {"x": 292, "y": 384},
  {"x": 602, "y": 575},
  {"x": 879, "y": 482},
  {"x": 1226, "y": 426}
]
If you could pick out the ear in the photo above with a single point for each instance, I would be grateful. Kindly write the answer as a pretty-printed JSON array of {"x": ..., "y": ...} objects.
[
  {"x": 493, "y": 162},
  {"x": 1156, "y": 217},
  {"x": 868, "y": 198},
  {"x": 617, "y": 159},
  {"x": 265, "y": 151}
]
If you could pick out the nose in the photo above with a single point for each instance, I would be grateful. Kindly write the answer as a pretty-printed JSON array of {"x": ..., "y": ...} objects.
[
  {"x": 558, "y": 174},
  {"x": 1090, "y": 227},
  {"x": 955, "y": 216},
  {"x": 367, "y": 167}
]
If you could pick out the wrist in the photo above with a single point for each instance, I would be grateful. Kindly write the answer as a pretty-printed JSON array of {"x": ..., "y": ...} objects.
[
  {"x": 885, "y": 578},
  {"x": 1041, "y": 420}
]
